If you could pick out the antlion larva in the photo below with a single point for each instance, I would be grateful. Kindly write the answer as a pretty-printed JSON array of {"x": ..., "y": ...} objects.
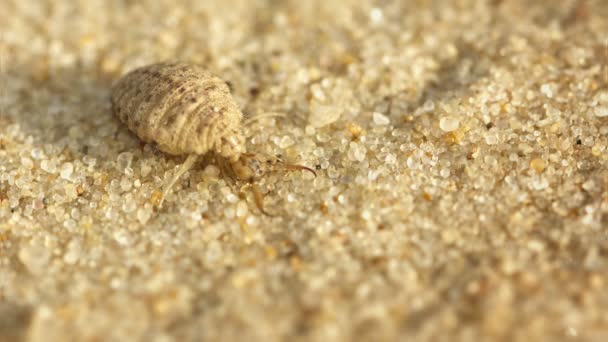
[{"x": 186, "y": 110}]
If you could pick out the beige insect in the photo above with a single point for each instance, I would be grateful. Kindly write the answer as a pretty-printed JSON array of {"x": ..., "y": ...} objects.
[{"x": 186, "y": 110}]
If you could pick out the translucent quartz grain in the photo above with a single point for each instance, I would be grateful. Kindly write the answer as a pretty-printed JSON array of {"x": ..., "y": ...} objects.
[
  {"x": 381, "y": 119},
  {"x": 547, "y": 90},
  {"x": 286, "y": 141},
  {"x": 143, "y": 215},
  {"x": 129, "y": 204},
  {"x": 356, "y": 152},
  {"x": 49, "y": 166},
  {"x": 491, "y": 139},
  {"x": 242, "y": 209},
  {"x": 66, "y": 170},
  {"x": 211, "y": 171},
  {"x": 537, "y": 165},
  {"x": 70, "y": 191},
  {"x": 412, "y": 162},
  {"x": 601, "y": 111},
  {"x": 37, "y": 153},
  {"x": 124, "y": 160},
  {"x": 27, "y": 163},
  {"x": 449, "y": 124},
  {"x": 126, "y": 184}
]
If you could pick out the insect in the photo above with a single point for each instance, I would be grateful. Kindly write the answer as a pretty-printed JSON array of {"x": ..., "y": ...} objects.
[{"x": 186, "y": 110}]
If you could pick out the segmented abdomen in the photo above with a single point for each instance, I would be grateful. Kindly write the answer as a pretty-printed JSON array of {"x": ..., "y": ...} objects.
[{"x": 181, "y": 107}]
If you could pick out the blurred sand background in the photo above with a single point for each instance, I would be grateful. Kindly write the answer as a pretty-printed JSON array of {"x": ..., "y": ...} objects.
[{"x": 461, "y": 149}]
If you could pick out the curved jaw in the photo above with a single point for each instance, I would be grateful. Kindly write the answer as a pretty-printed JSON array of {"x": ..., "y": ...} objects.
[
  {"x": 248, "y": 167},
  {"x": 252, "y": 167}
]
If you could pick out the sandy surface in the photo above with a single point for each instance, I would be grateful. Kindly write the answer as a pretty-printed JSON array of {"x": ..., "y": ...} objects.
[{"x": 461, "y": 149}]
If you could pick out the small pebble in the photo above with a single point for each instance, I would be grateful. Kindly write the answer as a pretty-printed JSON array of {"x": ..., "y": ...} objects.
[
  {"x": 449, "y": 124},
  {"x": 381, "y": 119},
  {"x": 355, "y": 130},
  {"x": 124, "y": 160},
  {"x": 286, "y": 141},
  {"x": 49, "y": 166},
  {"x": 601, "y": 111},
  {"x": 126, "y": 184},
  {"x": 143, "y": 215},
  {"x": 211, "y": 171},
  {"x": 37, "y": 153},
  {"x": 70, "y": 191},
  {"x": 27, "y": 163},
  {"x": 66, "y": 170},
  {"x": 537, "y": 165},
  {"x": 547, "y": 90},
  {"x": 491, "y": 139}
]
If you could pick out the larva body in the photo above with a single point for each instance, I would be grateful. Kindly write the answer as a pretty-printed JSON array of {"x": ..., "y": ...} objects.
[
  {"x": 182, "y": 108},
  {"x": 185, "y": 109}
]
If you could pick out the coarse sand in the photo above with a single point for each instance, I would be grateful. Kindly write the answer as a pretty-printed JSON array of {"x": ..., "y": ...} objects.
[{"x": 461, "y": 158}]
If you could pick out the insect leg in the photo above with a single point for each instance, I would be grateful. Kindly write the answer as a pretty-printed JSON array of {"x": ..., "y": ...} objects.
[
  {"x": 182, "y": 169},
  {"x": 255, "y": 118},
  {"x": 259, "y": 199},
  {"x": 292, "y": 167}
]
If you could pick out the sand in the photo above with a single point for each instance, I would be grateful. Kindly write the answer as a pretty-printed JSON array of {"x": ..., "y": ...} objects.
[{"x": 460, "y": 147}]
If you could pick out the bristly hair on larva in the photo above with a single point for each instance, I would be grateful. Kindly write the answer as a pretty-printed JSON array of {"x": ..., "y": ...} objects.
[{"x": 186, "y": 110}]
